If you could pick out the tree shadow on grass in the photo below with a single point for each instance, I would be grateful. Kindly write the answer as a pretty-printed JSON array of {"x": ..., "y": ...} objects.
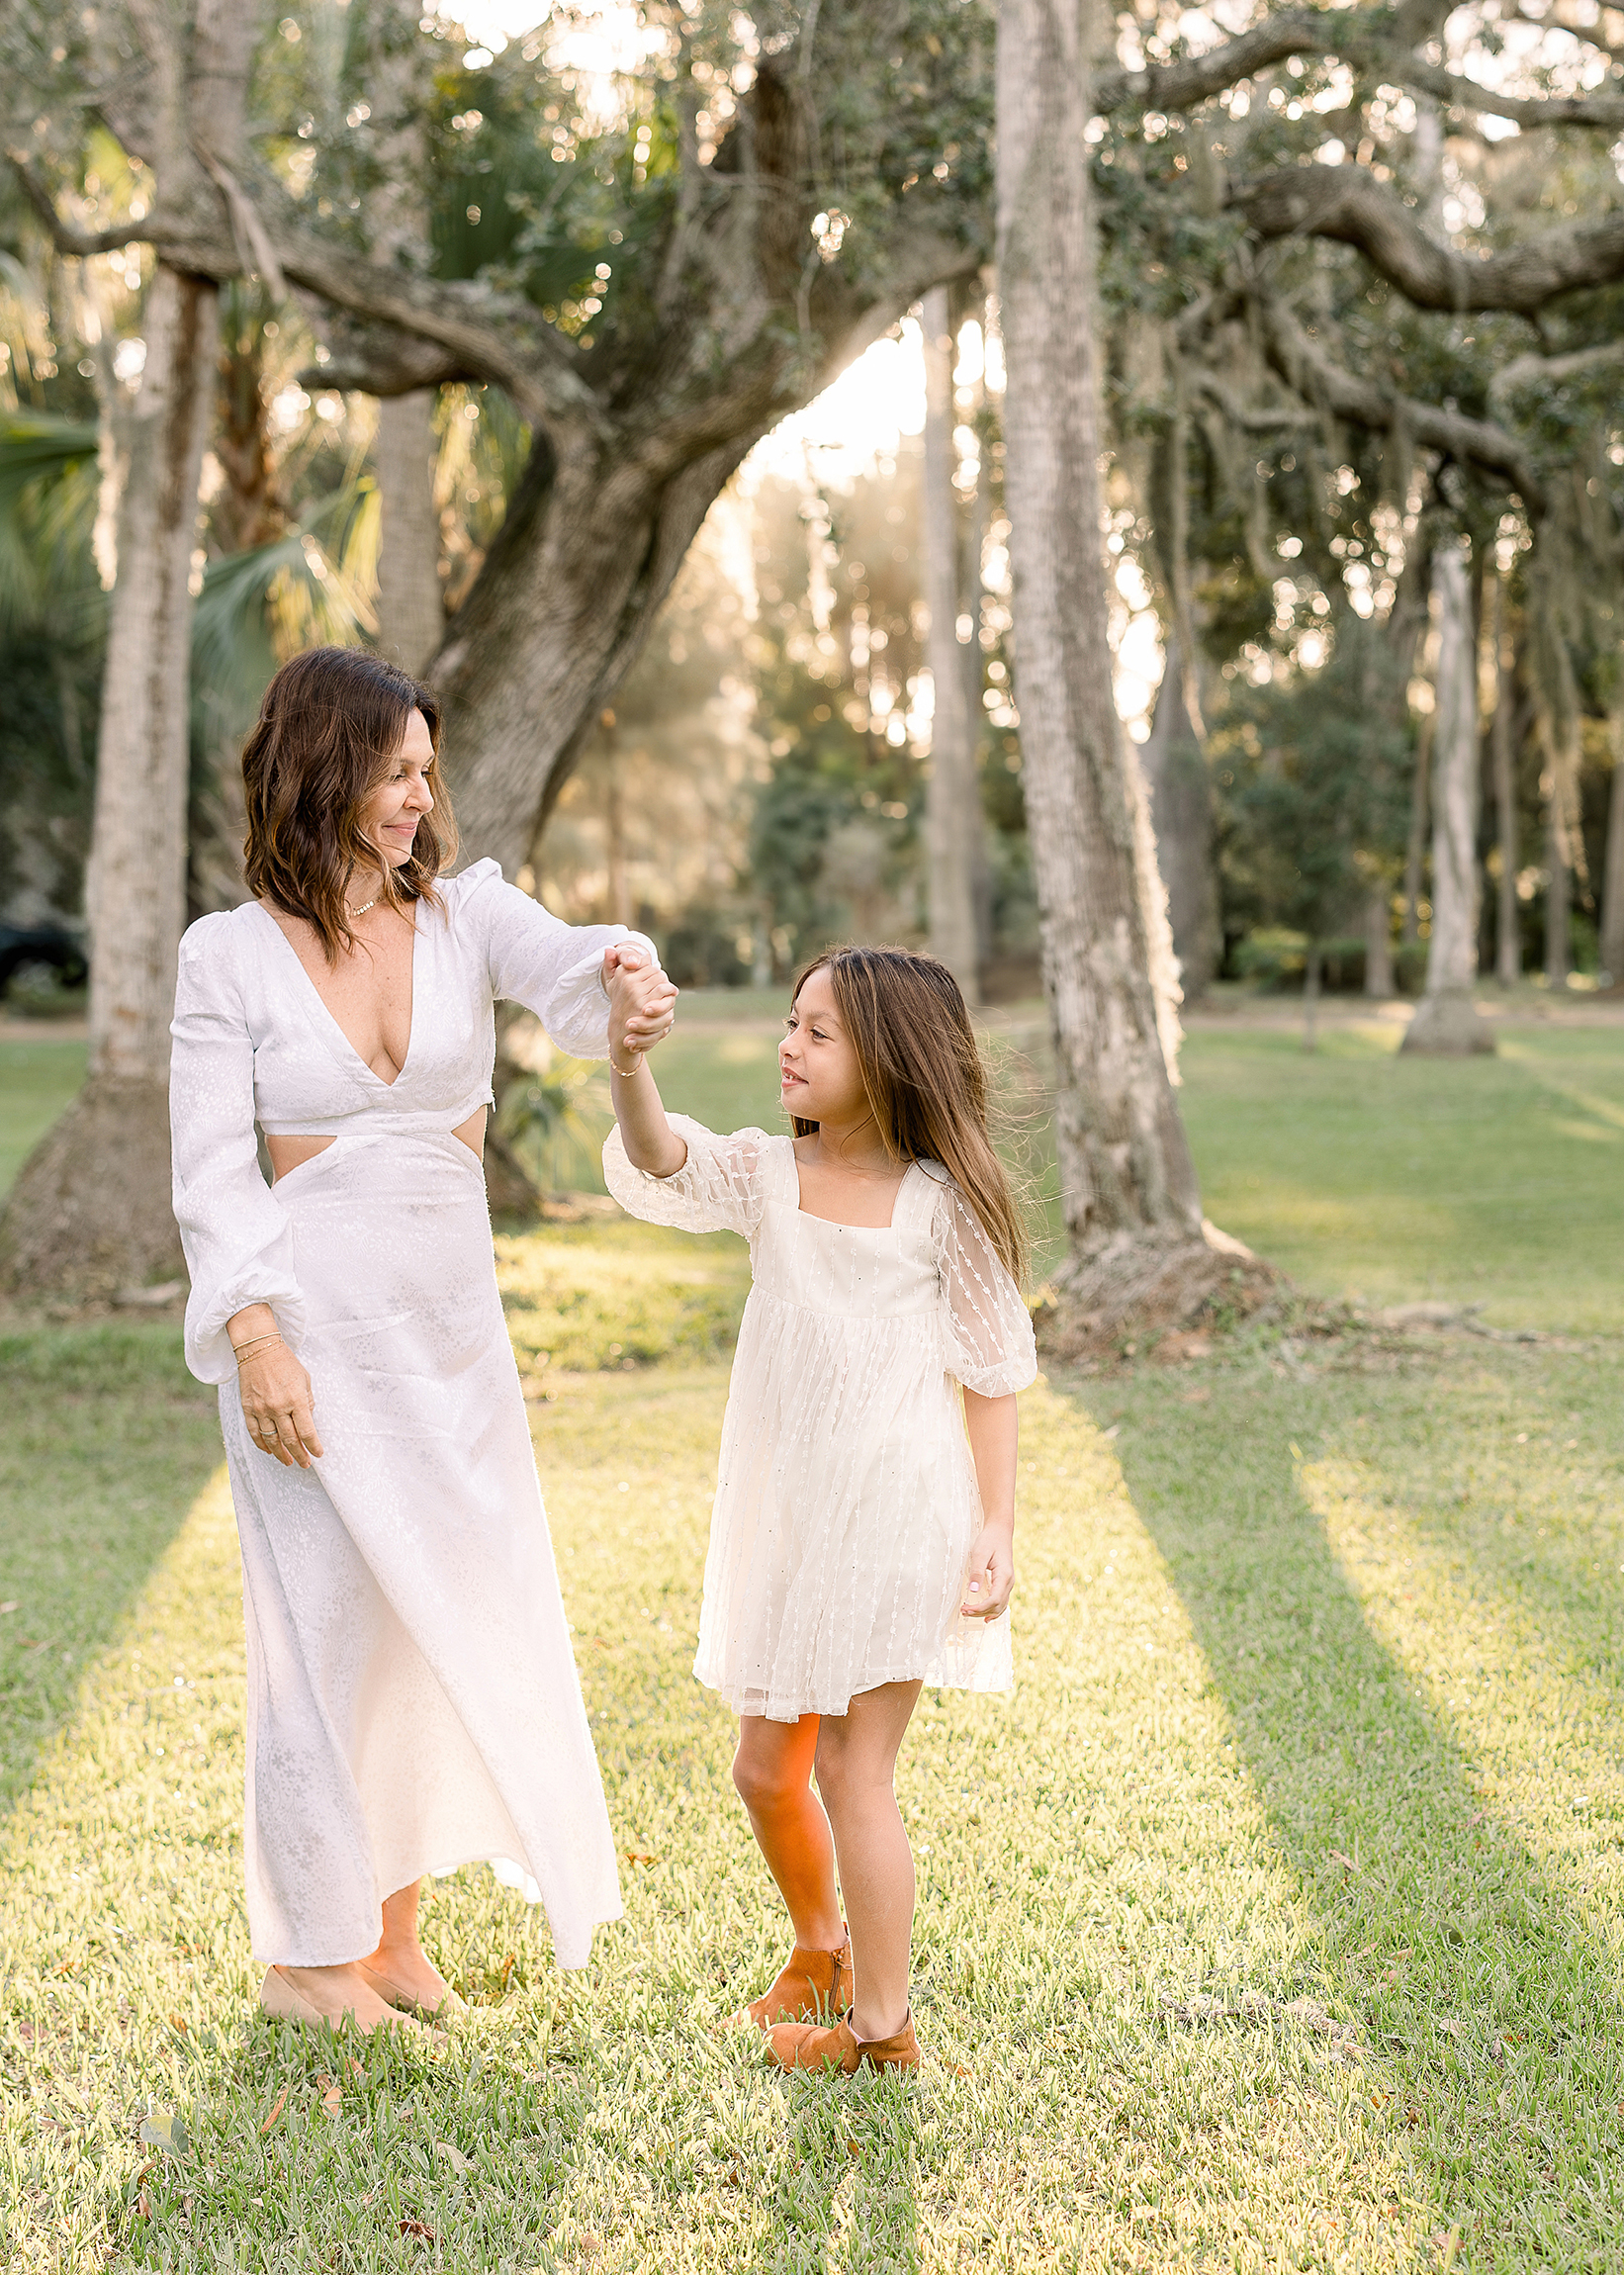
[
  {"x": 1486, "y": 2000},
  {"x": 108, "y": 1442}
]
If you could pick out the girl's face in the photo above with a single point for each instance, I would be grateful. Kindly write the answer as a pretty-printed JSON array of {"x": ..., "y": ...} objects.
[
  {"x": 395, "y": 806},
  {"x": 819, "y": 1076}
]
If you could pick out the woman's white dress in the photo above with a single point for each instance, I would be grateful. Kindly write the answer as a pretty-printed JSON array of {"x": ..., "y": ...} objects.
[
  {"x": 412, "y": 1696},
  {"x": 846, "y": 1501}
]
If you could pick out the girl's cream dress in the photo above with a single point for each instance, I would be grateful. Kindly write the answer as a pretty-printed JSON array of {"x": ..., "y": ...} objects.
[{"x": 846, "y": 1501}]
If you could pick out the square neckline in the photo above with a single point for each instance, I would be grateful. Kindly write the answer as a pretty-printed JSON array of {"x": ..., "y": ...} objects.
[
  {"x": 371, "y": 1072},
  {"x": 834, "y": 1222}
]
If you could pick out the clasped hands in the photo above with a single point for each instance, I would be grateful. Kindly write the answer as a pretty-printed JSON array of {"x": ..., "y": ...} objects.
[{"x": 642, "y": 1003}]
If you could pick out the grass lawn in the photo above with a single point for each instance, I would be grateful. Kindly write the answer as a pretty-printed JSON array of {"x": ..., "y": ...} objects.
[{"x": 1273, "y": 1923}]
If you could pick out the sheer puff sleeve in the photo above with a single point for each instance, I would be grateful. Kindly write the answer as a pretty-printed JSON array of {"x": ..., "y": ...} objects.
[
  {"x": 553, "y": 969},
  {"x": 720, "y": 1188},
  {"x": 235, "y": 1234},
  {"x": 991, "y": 1348}
]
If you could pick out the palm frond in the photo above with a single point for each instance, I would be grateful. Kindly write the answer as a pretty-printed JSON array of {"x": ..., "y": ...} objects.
[
  {"x": 48, "y": 490},
  {"x": 258, "y": 608}
]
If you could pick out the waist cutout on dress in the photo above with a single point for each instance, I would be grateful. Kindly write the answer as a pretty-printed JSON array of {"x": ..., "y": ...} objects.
[{"x": 381, "y": 1120}]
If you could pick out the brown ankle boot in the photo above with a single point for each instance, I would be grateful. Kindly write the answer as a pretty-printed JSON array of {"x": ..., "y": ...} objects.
[
  {"x": 815, "y": 1986},
  {"x": 804, "y": 2046}
]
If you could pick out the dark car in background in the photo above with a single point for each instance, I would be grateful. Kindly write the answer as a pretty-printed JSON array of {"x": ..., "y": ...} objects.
[{"x": 41, "y": 962}]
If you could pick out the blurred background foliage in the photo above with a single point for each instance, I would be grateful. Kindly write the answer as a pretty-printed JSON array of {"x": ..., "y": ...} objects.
[{"x": 755, "y": 788}]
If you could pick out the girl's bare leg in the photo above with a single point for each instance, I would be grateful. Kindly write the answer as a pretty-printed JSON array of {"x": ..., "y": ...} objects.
[
  {"x": 772, "y": 1771},
  {"x": 857, "y": 1754}
]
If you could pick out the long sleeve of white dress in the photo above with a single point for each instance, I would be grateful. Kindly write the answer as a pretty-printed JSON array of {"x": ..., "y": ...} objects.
[
  {"x": 987, "y": 1329},
  {"x": 553, "y": 969},
  {"x": 720, "y": 1187},
  {"x": 234, "y": 1231}
]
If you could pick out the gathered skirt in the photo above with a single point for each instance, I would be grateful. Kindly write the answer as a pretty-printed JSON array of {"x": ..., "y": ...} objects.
[
  {"x": 412, "y": 1696},
  {"x": 847, "y": 1506}
]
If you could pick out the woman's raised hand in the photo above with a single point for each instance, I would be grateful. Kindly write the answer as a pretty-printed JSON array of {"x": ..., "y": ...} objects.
[
  {"x": 653, "y": 1009},
  {"x": 277, "y": 1407},
  {"x": 642, "y": 1007}
]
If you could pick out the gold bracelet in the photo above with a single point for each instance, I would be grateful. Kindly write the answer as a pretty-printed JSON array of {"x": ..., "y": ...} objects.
[
  {"x": 626, "y": 1073},
  {"x": 254, "y": 1343}
]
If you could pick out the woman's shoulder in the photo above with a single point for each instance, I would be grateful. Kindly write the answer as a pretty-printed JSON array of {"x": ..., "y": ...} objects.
[
  {"x": 477, "y": 881},
  {"x": 216, "y": 937}
]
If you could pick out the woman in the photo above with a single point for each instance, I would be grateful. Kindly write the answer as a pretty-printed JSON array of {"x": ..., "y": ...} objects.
[{"x": 413, "y": 1698}]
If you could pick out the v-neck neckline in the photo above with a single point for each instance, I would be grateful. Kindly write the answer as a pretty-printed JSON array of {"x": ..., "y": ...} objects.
[
  {"x": 834, "y": 1222},
  {"x": 321, "y": 1005}
]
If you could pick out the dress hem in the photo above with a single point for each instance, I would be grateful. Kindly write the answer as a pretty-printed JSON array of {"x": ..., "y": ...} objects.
[
  {"x": 777, "y": 1710},
  {"x": 509, "y": 1874}
]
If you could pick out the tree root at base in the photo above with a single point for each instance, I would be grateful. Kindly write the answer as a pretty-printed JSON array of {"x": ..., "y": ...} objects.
[
  {"x": 1141, "y": 1286},
  {"x": 90, "y": 1213}
]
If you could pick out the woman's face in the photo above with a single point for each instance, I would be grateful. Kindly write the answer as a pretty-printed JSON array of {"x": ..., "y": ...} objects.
[
  {"x": 393, "y": 806},
  {"x": 820, "y": 1079}
]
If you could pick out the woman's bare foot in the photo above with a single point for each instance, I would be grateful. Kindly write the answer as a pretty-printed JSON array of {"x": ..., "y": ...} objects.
[
  {"x": 410, "y": 1973},
  {"x": 339, "y": 1994},
  {"x": 401, "y": 1968}
]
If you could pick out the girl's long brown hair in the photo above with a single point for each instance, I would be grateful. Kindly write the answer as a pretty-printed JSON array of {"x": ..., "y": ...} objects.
[
  {"x": 922, "y": 1076},
  {"x": 329, "y": 724}
]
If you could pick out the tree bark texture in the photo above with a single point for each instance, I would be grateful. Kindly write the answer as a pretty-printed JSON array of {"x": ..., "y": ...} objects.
[
  {"x": 1180, "y": 790},
  {"x": 411, "y": 612},
  {"x": 1446, "y": 1020},
  {"x": 1415, "y": 849},
  {"x": 399, "y": 86},
  {"x": 557, "y": 617},
  {"x": 1379, "y": 941},
  {"x": 1133, "y": 1209},
  {"x": 90, "y": 1210},
  {"x": 1612, "y": 882},
  {"x": 1507, "y": 931},
  {"x": 953, "y": 806}
]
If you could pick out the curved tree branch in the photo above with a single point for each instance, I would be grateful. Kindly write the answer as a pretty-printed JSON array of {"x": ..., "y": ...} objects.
[
  {"x": 1375, "y": 37},
  {"x": 1309, "y": 372},
  {"x": 469, "y": 331},
  {"x": 1551, "y": 370},
  {"x": 1195, "y": 79},
  {"x": 1348, "y": 204}
]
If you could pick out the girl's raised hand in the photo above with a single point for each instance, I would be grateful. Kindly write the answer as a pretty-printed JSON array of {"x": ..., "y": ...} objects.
[{"x": 989, "y": 1574}]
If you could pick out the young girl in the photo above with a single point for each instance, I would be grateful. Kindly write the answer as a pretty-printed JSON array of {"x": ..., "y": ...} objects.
[{"x": 859, "y": 1547}]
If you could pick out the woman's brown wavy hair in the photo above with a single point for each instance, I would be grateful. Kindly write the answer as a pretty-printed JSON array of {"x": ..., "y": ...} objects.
[
  {"x": 922, "y": 1076},
  {"x": 330, "y": 722}
]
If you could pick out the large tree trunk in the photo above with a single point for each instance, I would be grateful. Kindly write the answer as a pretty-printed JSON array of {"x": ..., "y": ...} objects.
[
  {"x": 1446, "y": 1018},
  {"x": 397, "y": 65},
  {"x": 1180, "y": 790},
  {"x": 555, "y": 620},
  {"x": 953, "y": 808},
  {"x": 1410, "y": 929},
  {"x": 1612, "y": 883},
  {"x": 1507, "y": 931},
  {"x": 90, "y": 1211},
  {"x": 1560, "y": 736},
  {"x": 1379, "y": 941},
  {"x": 411, "y": 612},
  {"x": 1133, "y": 1210}
]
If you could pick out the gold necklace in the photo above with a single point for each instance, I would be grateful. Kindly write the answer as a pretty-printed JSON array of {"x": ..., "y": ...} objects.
[{"x": 353, "y": 913}]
